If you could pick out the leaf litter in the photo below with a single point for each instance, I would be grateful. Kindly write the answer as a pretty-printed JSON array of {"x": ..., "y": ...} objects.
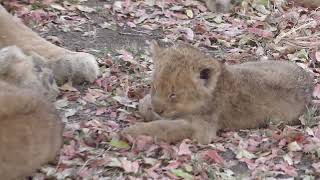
[{"x": 94, "y": 114}]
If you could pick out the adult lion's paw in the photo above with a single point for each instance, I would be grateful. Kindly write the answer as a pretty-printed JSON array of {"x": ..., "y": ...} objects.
[{"x": 75, "y": 66}]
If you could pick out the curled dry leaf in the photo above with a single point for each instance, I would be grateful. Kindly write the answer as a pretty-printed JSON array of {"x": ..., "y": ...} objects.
[
  {"x": 184, "y": 149},
  {"x": 294, "y": 146},
  {"x": 213, "y": 155}
]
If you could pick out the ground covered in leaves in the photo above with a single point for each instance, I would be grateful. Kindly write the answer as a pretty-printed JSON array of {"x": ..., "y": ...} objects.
[{"x": 117, "y": 33}]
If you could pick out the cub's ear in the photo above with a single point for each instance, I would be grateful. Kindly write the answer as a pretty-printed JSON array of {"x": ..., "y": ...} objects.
[{"x": 205, "y": 75}]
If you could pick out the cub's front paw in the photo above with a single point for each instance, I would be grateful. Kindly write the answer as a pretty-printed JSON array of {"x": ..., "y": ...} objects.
[
  {"x": 145, "y": 109},
  {"x": 75, "y": 66},
  {"x": 133, "y": 130}
]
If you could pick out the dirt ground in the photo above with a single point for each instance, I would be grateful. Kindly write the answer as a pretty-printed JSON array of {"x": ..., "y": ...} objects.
[{"x": 104, "y": 39}]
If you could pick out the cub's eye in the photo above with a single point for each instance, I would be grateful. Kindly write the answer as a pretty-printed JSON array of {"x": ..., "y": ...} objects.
[
  {"x": 205, "y": 74},
  {"x": 172, "y": 96},
  {"x": 153, "y": 89}
]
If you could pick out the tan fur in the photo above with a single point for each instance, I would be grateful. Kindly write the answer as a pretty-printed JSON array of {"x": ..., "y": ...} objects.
[
  {"x": 30, "y": 132},
  {"x": 146, "y": 110},
  {"x": 66, "y": 65},
  {"x": 248, "y": 95}
]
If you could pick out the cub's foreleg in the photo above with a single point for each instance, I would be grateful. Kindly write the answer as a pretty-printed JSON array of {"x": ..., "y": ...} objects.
[
  {"x": 174, "y": 130},
  {"x": 146, "y": 111}
]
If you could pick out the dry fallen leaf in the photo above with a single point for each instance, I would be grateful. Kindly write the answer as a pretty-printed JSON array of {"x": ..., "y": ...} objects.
[
  {"x": 212, "y": 154},
  {"x": 58, "y": 7},
  {"x": 85, "y": 9},
  {"x": 184, "y": 149},
  {"x": 294, "y": 146}
]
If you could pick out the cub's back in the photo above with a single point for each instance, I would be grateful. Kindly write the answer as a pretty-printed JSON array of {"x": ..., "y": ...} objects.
[
  {"x": 279, "y": 75},
  {"x": 267, "y": 90}
]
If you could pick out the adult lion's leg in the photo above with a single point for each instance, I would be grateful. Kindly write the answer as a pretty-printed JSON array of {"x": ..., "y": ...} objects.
[
  {"x": 30, "y": 132},
  {"x": 66, "y": 65}
]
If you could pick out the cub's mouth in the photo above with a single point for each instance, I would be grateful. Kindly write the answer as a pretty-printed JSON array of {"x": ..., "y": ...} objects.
[
  {"x": 169, "y": 115},
  {"x": 158, "y": 117}
]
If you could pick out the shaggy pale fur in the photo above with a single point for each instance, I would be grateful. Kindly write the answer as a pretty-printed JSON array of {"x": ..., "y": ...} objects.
[
  {"x": 66, "y": 65},
  {"x": 206, "y": 95},
  {"x": 27, "y": 72},
  {"x": 30, "y": 131}
]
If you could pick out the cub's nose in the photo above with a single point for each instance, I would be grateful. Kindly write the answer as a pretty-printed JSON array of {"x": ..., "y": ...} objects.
[
  {"x": 159, "y": 111},
  {"x": 158, "y": 106}
]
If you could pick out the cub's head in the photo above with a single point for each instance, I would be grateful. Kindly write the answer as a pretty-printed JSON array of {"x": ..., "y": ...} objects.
[{"x": 184, "y": 79}]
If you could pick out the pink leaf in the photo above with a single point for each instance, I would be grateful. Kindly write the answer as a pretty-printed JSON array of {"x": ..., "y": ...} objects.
[
  {"x": 127, "y": 56},
  {"x": 85, "y": 173},
  {"x": 290, "y": 170},
  {"x": 212, "y": 154},
  {"x": 316, "y": 91},
  {"x": 184, "y": 149},
  {"x": 100, "y": 111},
  {"x": 173, "y": 165},
  {"x": 316, "y": 166},
  {"x": 130, "y": 167},
  {"x": 317, "y": 55},
  {"x": 151, "y": 172},
  {"x": 69, "y": 150},
  {"x": 260, "y": 32}
]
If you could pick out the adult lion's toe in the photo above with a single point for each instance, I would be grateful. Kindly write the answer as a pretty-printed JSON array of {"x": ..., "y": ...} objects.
[{"x": 75, "y": 66}]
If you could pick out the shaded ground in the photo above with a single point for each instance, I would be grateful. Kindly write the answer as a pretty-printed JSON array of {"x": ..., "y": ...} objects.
[
  {"x": 104, "y": 39},
  {"x": 116, "y": 32}
]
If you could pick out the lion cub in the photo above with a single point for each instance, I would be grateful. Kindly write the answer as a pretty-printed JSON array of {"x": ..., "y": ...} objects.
[{"x": 196, "y": 95}]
